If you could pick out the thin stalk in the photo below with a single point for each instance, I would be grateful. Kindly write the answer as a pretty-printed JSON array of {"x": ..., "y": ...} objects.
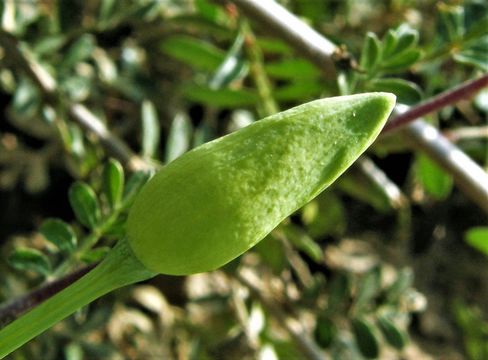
[
  {"x": 449, "y": 97},
  {"x": 261, "y": 80},
  {"x": 120, "y": 268}
]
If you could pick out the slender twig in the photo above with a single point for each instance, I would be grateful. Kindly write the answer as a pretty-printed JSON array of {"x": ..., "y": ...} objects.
[
  {"x": 15, "y": 308},
  {"x": 449, "y": 97},
  {"x": 20, "y": 58}
]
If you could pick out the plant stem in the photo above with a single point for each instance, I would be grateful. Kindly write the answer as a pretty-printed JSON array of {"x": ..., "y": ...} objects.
[
  {"x": 261, "y": 80},
  {"x": 119, "y": 268},
  {"x": 451, "y": 96},
  {"x": 10, "y": 311}
]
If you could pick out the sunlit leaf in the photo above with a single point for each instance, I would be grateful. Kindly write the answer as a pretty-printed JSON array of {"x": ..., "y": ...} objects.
[
  {"x": 435, "y": 181},
  {"x": 365, "y": 338},
  {"x": 150, "y": 129},
  {"x": 85, "y": 204},
  {"x": 113, "y": 182},
  {"x": 477, "y": 237},
  {"x": 59, "y": 233},
  {"x": 30, "y": 259},
  {"x": 179, "y": 137},
  {"x": 198, "y": 54}
]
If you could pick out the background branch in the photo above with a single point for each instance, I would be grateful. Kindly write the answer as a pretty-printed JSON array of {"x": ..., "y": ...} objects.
[{"x": 449, "y": 97}]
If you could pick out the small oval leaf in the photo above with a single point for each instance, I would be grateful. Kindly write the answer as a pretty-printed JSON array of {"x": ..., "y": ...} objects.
[
  {"x": 392, "y": 334},
  {"x": 84, "y": 203},
  {"x": 407, "y": 92},
  {"x": 325, "y": 332},
  {"x": 365, "y": 338},
  {"x": 59, "y": 233},
  {"x": 30, "y": 259},
  {"x": 113, "y": 182},
  {"x": 477, "y": 237},
  {"x": 371, "y": 52}
]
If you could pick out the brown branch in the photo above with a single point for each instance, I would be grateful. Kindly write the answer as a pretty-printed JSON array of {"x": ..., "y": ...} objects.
[
  {"x": 10, "y": 311},
  {"x": 446, "y": 98}
]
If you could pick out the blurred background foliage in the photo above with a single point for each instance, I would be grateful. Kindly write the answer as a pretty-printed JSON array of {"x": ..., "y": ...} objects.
[{"x": 361, "y": 271}]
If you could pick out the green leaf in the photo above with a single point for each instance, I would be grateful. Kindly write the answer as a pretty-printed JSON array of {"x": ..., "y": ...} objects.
[
  {"x": 339, "y": 292},
  {"x": 73, "y": 351},
  {"x": 179, "y": 137},
  {"x": 407, "y": 92},
  {"x": 232, "y": 68},
  {"x": 476, "y": 55},
  {"x": 401, "y": 61},
  {"x": 113, "y": 182},
  {"x": 150, "y": 129},
  {"x": 85, "y": 205},
  {"x": 272, "y": 253},
  {"x": 371, "y": 52},
  {"x": 298, "y": 90},
  {"x": 273, "y": 46},
  {"x": 408, "y": 37},
  {"x": 221, "y": 97},
  {"x": 325, "y": 332},
  {"x": 79, "y": 51},
  {"x": 477, "y": 237},
  {"x": 30, "y": 259},
  {"x": 292, "y": 69},
  {"x": 106, "y": 11},
  {"x": 134, "y": 184},
  {"x": 302, "y": 241},
  {"x": 198, "y": 54},
  {"x": 94, "y": 255},
  {"x": 59, "y": 233},
  {"x": 389, "y": 44},
  {"x": 324, "y": 216},
  {"x": 368, "y": 288},
  {"x": 403, "y": 281},
  {"x": 393, "y": 335},
  {"x": 436, "y": 182},
  {"x": 365, "y": 338}
]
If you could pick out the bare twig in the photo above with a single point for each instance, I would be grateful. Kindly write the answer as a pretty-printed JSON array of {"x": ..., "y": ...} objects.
[
  {"x": 449, "y": 97},
  {"x": 47, "y": 84}
]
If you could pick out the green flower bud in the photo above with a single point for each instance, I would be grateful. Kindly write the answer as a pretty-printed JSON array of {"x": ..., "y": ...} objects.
[{"x": 220, "y": 199}]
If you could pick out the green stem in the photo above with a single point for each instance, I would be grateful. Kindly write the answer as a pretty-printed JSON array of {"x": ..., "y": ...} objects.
[
  {"x": 268, "y": 105},
  {"x": 119, "y": 268}
]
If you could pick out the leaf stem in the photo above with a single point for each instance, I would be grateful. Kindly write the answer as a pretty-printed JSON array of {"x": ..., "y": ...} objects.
[{"x": 119, "y": 268}]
